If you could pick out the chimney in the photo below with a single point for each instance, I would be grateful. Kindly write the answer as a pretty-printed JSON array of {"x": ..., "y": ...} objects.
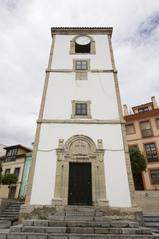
[
  {"x": 125, "y": 108},
  {"x": 154, "y": 102}
]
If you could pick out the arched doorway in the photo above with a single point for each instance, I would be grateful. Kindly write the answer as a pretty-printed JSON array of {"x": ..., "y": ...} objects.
[{"x": 80, "y": 178}]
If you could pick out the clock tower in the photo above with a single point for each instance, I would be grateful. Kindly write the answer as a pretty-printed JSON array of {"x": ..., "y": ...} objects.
[{"x": 80, "y": 151}]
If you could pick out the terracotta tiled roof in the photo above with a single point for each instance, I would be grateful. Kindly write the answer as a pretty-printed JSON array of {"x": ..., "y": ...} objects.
[{"x": 142, "y": 115}]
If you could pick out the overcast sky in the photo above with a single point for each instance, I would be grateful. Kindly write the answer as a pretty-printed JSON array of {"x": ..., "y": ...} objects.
[{"x": 25, "y": 43}]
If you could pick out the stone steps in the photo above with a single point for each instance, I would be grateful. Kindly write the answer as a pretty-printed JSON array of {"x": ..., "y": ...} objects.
[
  {"x": 10, "y": 214},
  {"x": 82, "y": 230},
  {"x": 76, "y": 223},
  {"x": 71, "y": 236},
  {"x": 152, "y": 221}
]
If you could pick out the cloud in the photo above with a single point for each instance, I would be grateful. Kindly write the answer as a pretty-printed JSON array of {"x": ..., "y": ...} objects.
[{"x": 25, "y": 42}]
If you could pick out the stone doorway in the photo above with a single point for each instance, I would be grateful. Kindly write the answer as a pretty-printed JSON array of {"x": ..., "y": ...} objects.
[
  {"x": 80, "y": 149},
  {"x": 80, "y": 184}
]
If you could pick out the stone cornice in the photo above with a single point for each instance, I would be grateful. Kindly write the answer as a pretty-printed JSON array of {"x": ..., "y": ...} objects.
[
  {"x": 142, "y": 115},
  {"x": 79, "y": 121},
  {"x": 81, "y": 30},
  {"x": 92, "y": 71}
]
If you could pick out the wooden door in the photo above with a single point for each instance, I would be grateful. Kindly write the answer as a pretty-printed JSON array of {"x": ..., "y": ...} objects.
[{"x": 80, "y": 184}]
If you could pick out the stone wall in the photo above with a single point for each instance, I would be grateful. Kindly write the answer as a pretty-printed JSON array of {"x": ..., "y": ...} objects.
[
  {"x": 148, "y": 201},
  {"x": 4, "y": 203},
  {"x": 4, "y": 191}
]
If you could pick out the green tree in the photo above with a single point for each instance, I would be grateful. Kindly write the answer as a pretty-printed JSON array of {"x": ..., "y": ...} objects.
[
  {"x": 9, "y": 179},
  {"x": 138, "y": 163}
]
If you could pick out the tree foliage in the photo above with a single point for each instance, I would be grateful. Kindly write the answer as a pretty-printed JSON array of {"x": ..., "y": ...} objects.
[
  {"x": 138, "y": 163},
  {"x": 9, "y": 179}
]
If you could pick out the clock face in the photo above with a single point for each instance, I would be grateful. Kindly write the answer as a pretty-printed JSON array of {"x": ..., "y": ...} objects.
[{"x": 83, "y": 40}]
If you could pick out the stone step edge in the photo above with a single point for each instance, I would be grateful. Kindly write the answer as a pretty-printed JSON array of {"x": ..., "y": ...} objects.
[
  {"x": 95, "y": 230},
  {"x": 130, "y": 224},
  {"x": 155, "y": 236}
]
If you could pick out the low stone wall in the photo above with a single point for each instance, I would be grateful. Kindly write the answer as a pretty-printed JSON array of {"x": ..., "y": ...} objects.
[
  {"x": 4, "y": 203},
  {"x": 4, "y": 191},
  {"x": 148, "y": 201}
]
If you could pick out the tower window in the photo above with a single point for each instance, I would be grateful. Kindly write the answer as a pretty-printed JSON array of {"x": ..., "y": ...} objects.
[
  {"x": 81, "y": 65},
  {"x": 82, "y": 45},
  {"x": 82, "y": 48},
  {"x": 81, "y": 109}
]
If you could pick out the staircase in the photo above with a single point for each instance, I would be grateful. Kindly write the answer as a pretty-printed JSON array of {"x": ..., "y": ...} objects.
[
  {"x": 152, "y": 221},
  {"x": 79, "y": 223},
  {"x": 10, "y": 215}
]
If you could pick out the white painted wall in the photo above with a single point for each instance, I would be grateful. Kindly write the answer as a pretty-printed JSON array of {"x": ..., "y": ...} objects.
[
  {"x": 63, "y": 60},
  {"x": 99, "y": 89},
  {"x": 115, "y": 168}
]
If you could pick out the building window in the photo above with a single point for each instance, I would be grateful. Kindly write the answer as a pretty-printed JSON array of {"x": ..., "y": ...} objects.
[
  {"x": 146, "y": 130},
  {"x": 7, "y": 171},
  {"x": 81, "y": 68},
  {"x": 151, "y": 152},
  {"x": 11, "y": 154},
  {"x": 154, "y": 176},
  {"x": 81, "y": 65},
  {"x": 143, "y": 109},
  {"x": 82, "y": 45},
  {"x": 130, "y": 129},
  {"x": 16, "y": 172},
  {"x": 81, "y": 109},
  {"x": 157, "y": 123}
]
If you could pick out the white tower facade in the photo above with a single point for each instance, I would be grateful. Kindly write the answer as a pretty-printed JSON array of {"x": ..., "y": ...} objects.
[{"x": 80, "y": 152}]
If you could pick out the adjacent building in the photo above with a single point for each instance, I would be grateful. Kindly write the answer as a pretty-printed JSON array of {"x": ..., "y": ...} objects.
[
  {"x": 13, "y": 162},
  {"x": 142, "y": 129},
  {"x": 2, "y": 152}
]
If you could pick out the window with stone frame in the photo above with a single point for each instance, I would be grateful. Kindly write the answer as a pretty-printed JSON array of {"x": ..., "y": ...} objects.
[
  {"x": 130, "y": 129},
  {"x": 86, "y": 45},
  {"x": 157, "y": 123},
  {"x": 146, "y": 129},
  {"x": 151, "y": 152},
  {"x": 7, "y": 171},
  {"x": 81, "y": 65},
  {"x": 154, "y": 176},
  {"x": 81, "y": 109},
  {"x": 17, "y": 171},
  {"x": 82, "y": 48}
]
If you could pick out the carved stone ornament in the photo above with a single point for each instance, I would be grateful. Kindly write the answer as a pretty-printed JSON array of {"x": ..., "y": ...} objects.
[{"x": 80, "y": 149}]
